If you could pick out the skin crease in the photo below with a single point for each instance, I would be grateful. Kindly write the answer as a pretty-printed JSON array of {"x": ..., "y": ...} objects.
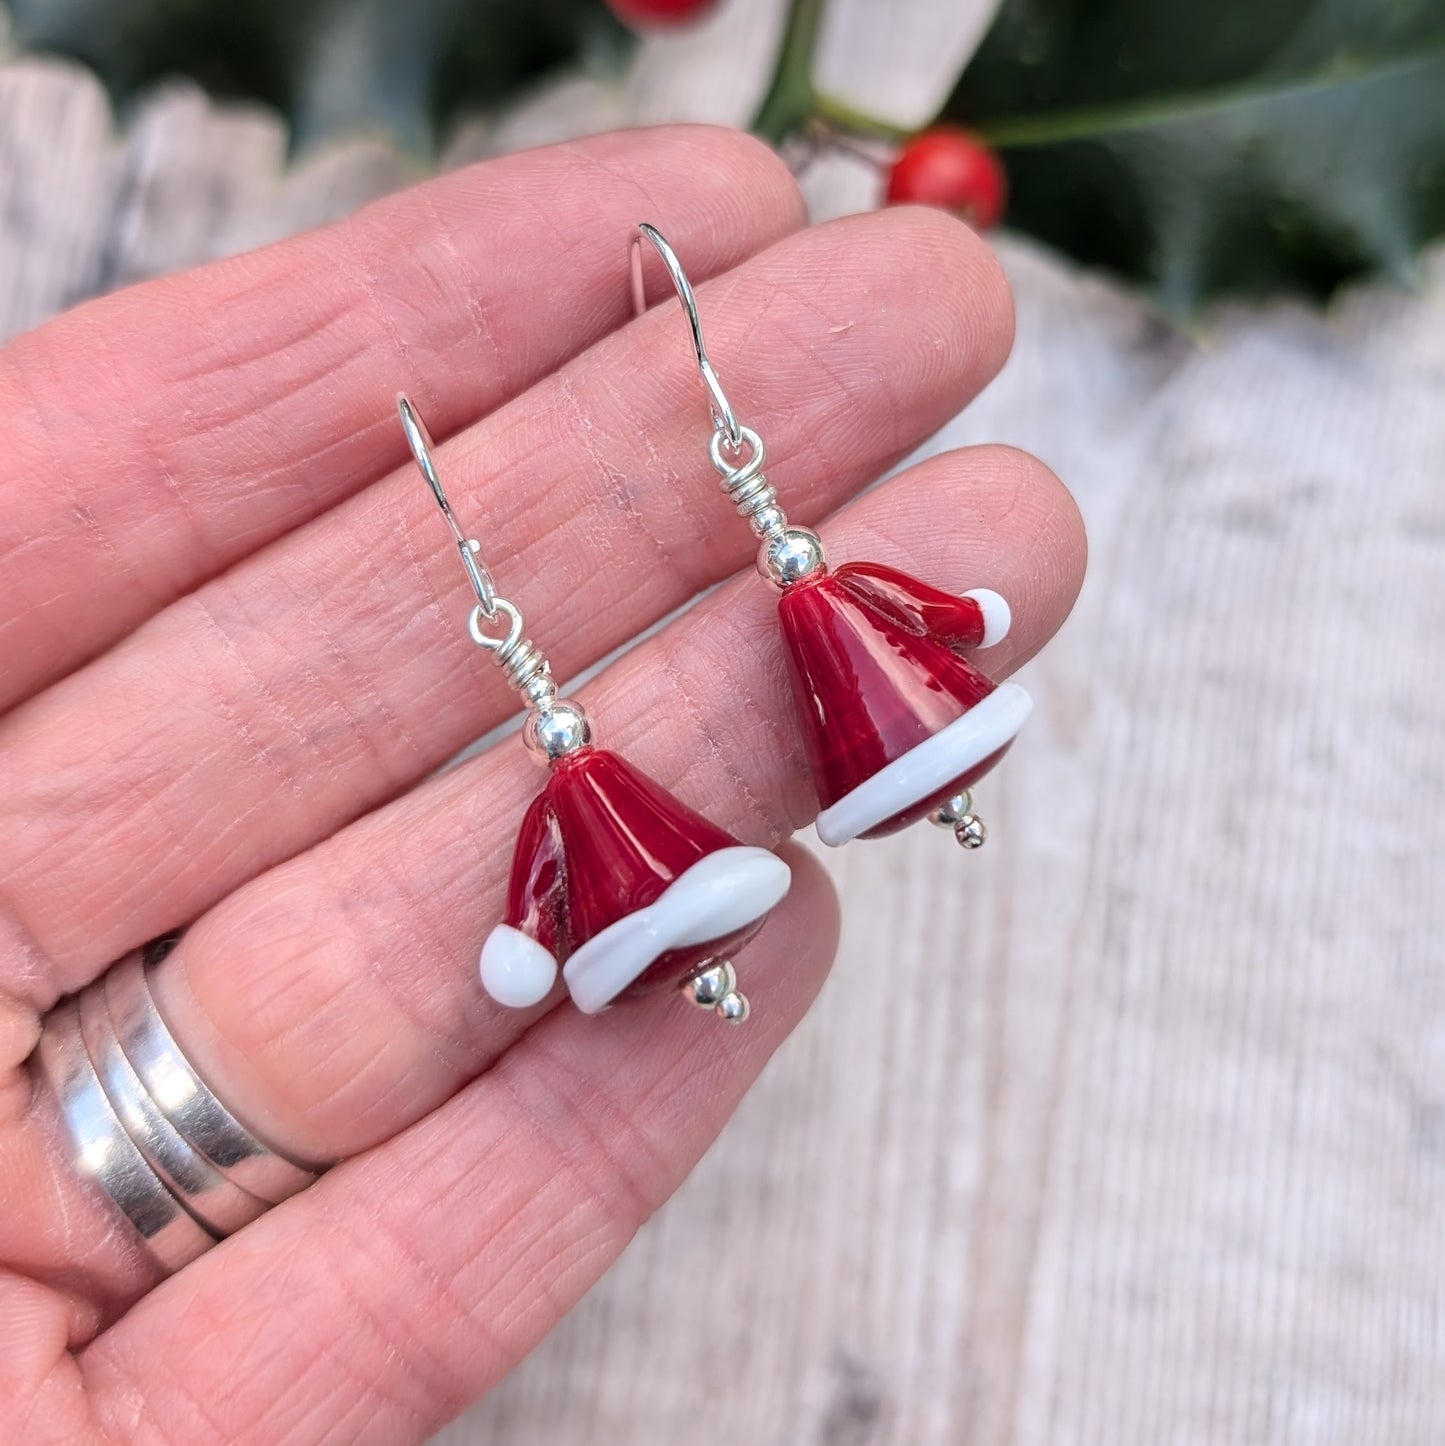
[{"x": 247, "y": 735}]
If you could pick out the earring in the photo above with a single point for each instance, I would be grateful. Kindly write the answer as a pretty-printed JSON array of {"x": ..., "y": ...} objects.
[
  {"x": 613, "y": 880},
  {"x": 898, "y": 724}
]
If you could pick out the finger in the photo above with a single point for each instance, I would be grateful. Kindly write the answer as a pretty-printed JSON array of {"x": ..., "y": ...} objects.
[
  {"x": 155, "y": 436},
  {"x": 40, "y": 1382},
  {"x": 318, "y": 679},
  {"x": 335, "y": 1000},
  {"x": 409, "y": 1281}
]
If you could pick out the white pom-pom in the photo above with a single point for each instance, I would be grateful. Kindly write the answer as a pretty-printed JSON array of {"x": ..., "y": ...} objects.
[
  {"x": 516, "y": 970},
  {"x": 997, "y": 616}
]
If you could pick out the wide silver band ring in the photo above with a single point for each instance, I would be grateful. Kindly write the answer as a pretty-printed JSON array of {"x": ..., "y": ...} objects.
[{"x": 147, "y": 1129}]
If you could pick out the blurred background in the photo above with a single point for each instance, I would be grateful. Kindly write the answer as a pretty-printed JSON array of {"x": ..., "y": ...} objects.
[{"x": 1131, "y": 1126}]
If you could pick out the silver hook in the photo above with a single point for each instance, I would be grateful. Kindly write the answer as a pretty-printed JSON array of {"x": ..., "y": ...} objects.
[
  {"x": 723, "y": 416},
  {"x": 421, "y": 444}
]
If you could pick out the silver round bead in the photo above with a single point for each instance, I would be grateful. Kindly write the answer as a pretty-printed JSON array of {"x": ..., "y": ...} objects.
[
  {"x": 953, "y": 812},
  {"x": 561, "y": 730},
  {"x": 970, "y": 832},
  {"x": 712, "y": 985},
  {"x": 734, "y": 1007},
  {"x": 792, "y": 556},
  {"x": 768, "y": 522}
]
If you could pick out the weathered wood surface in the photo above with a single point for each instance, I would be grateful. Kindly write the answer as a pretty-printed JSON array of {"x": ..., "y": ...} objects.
[{"x": 1131, "y": 1128}]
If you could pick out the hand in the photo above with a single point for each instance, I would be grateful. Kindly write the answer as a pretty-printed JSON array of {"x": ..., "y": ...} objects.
[{"x": 234, "y": 652}]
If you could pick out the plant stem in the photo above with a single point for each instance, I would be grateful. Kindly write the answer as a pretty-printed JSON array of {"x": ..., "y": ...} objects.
[
  {"x": 1084, "y": 122},
  {"x": 1147, "y": 111},
  {"x": 1139, "y": 113},
  {"x": 844, "y": 117},
  {"x": 789, "y": 103}
]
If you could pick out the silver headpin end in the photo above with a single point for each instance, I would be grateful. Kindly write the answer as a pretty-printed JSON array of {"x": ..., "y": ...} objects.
[
  {"x": 716, "y": 988},
  {"x": 957, "y": 814},
  {"x": 554, "y": 727}
]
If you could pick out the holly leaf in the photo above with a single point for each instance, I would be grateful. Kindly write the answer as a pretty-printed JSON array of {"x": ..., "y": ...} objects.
[
  {"x": 1238, "y": 147},
  {"x": 333, "y": 66}
]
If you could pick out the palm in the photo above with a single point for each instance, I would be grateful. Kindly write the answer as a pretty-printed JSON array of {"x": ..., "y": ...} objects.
[{"x": 234, "y": 653}]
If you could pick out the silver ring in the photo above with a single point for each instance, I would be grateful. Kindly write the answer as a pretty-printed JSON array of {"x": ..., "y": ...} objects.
[
  {"x": 185, "y": 1098},
  {"x": 106, "y": 1153},
  {"x": 147, "y": 1129},
  {"x": 215, "y": 1201}
]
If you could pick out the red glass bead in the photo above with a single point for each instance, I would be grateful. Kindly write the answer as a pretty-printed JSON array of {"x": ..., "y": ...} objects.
[
  {"x": 600, "y": 842},
  {"x": 875, "y": 672}
]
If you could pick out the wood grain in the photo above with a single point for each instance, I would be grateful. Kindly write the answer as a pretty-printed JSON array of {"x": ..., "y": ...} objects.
[{"x": 1131, "y": 1128}]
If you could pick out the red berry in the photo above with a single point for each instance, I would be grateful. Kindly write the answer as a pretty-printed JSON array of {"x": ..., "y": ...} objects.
[
  {"x": 949, "y": 167},
  {"x": 651, "y": 14}
]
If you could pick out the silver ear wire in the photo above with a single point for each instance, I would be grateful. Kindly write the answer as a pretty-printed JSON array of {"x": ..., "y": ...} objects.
[
  {"x": 787, "y": 554},
  {"x": 419, "y": 439},
  {"x": 723, "y": 417},
  {"x": 554, "y": 727}
]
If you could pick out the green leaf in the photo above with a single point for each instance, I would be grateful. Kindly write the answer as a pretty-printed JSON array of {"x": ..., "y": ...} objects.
[
  {"x": 332, "y": 66},
  {"x": 1237, "y": 147}
]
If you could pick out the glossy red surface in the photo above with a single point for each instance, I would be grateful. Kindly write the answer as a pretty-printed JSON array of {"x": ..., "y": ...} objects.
[
  {"x": 875, "y": 673},
  {"x": 954, "y": 169},
  {"x": 598, "y": 843},
  {"x": 660, "y": 14},
  {"x": 918, "y": 606}
]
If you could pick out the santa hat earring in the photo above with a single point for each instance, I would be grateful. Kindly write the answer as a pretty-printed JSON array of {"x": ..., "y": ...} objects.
[
  {"x": 613, "y": 880},
  {"x": 898, "y": 724}
]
